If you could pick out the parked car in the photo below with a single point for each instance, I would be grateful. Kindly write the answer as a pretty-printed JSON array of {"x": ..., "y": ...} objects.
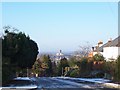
[{"x": 20, "y": 83}]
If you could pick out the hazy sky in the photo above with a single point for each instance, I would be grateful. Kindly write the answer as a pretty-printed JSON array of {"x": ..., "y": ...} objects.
[{"x": 63, "y": 26}]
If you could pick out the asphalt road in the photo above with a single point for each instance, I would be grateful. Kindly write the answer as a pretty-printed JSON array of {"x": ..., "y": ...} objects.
[{"x": 49, "y": 83}]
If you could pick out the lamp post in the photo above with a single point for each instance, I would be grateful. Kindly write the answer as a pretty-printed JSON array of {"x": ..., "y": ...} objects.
[
  {"x": 27, "y": 71},
  {"x": 62, "y": 71}
]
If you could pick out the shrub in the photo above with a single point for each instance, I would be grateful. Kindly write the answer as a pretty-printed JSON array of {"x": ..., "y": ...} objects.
[
  {"x": 74, "y": 73},
  {"x": 117, "y": 69},
  {"x": 98, "y": 57}
]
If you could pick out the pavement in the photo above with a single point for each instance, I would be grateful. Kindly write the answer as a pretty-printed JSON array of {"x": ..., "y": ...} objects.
[
  {"x": 55, "y": 83},
  {"x": 68, "y": 83},
  {"x": 112, "y": 85}
]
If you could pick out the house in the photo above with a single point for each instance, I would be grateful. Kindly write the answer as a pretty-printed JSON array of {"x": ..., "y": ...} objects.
[
  {"x": 59, "y": 55},
  {"x": 110, "y": 50}
]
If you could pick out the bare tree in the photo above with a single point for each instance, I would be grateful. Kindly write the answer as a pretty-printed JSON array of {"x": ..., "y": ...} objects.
[{"x": 83, "y": 50}]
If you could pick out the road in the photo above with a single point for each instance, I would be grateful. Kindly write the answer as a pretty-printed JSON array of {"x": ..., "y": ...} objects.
[{"x": 54, "y": 83}]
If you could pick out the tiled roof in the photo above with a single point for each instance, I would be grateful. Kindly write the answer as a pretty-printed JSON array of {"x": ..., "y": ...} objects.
[{"x": 115, "y": 42}]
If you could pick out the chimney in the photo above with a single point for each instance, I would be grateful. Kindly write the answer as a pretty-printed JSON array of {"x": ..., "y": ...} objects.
[
  {"x": 60, "y": 51},
  {"x": 96, "y": 47},
  {"x": 100, "y": 43},
  {"x": 92, "y": 48},
  {"x": 110, "y": 40}
]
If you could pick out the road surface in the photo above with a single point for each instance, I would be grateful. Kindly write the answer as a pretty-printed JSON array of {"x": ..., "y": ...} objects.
[{"x": 54, "y": 83}]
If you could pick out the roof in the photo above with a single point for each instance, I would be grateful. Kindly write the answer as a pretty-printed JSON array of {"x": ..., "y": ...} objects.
[{"x": 115, "y": 42}]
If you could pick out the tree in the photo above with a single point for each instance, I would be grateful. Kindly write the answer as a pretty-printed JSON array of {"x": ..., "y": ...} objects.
[
  {"x": 117, "y": 69},
  {"x": 37, "y": 67},
  {"x": 74, "y": 73},
  {"x": 21, "y": 50},
  {"x": 98, "y": 57},
  {"x": 61, "y": 67},
  {"x": 83, "y": 66},
  {"x": 47, "y": 65},
  {"x": 109, "y": 69},
  {"x": 98, "y": 65},
  {"x": 18, "y": 51},
  {"x": 54, "y": 69},
  {"x": 83, "y": 50},
  {"x": 72, "y": 61}
]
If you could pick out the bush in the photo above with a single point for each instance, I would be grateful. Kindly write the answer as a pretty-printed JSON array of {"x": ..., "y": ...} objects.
[
  {"x": 98, "y": 57},
  {"x": 117, "y": 70},
  {"x": 74, "y": 73},
  {"x": 97, "y": 74}
]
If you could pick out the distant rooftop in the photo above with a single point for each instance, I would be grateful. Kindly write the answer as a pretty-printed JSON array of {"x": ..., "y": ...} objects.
[{"x": 110, "y": 43}]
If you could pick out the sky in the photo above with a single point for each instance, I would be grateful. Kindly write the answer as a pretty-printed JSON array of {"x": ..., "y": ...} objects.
[{"x": 63, "y": 25}]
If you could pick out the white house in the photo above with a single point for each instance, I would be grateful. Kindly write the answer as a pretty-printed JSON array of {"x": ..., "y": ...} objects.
[
  {"x": 111, "y": 53},
  {"x": 58, "y": 56},
  {"x": 110, "y": 50}
]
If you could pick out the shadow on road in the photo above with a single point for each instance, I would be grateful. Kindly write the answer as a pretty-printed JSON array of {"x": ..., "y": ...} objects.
[{"x": 76, "y": 89}]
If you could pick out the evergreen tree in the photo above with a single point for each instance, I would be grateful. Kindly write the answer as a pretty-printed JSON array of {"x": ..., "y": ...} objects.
[
  {"x": 61, "y": 67},
  {"x": 48, "y": 65},
  {"x": 18, "y": 51}
]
